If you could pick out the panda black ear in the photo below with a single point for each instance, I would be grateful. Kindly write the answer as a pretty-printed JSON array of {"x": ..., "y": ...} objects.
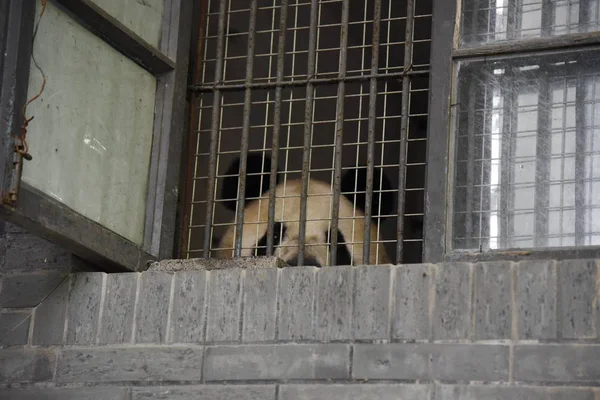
[
  {"x": 255, "y": 164},
  {"x": 384, "y": 199}
]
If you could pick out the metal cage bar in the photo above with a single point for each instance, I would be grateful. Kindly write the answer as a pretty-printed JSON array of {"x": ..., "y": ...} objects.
[
  {"x": 581, "y": 147},
  {"x": 214, "y": 133},
  {"x": 542, "y": 164},
  {"x": 404, "y": 125},
  {"x": 547, "y": 12},
  {"x": 187, "y": 184},
  {"x": 371, "y": 131},
  {"x": 226, "y": 87},
  {"x": 584, "y": 17},
  {"x": 507, "y": 151},
  {"x": 486, "y": 169},
  {"x": 308, "y": 113},
  {"x": 470, "y": 162},
  {"x": 339, "y": 129},
  {"x": 241, "y": 201},
  {"x": 276, "y": 125},
  {"x": 311, "y": 25}
]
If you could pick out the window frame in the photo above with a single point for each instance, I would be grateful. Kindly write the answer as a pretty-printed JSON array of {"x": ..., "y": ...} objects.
[
  {"x": 445, "y": 55},
  {"x": 39, "y": 213}
]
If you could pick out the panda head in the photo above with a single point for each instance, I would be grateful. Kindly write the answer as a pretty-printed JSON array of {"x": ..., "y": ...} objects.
[{"x": 287, "y": 210}]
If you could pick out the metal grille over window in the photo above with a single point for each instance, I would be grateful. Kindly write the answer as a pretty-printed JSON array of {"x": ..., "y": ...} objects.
[
  {"x": 311, "y": 121},
  {"x": 527, "y": 149}
]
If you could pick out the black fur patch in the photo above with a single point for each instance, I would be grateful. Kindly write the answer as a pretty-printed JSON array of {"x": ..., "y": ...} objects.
[
  {"x": 255, "y": 186},
  {"x": 342, "y": 256},
  {"x": 278, "y": 233},
  {"x": 386, "y": 198}
]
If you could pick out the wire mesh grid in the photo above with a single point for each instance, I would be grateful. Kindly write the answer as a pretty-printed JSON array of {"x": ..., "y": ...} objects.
[
  {"x": 486, "y": 21},
  {"x": 527, "y": 173},
  {"x": 308, "y": 97}
]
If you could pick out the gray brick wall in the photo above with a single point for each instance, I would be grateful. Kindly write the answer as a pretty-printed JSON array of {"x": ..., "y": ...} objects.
[
  {"x": 30, "y": 270},
  {"x": 436, "y": 332}
]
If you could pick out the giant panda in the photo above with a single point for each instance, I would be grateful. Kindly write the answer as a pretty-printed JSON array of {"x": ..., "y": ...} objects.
[{"x": 287, "y": 210}]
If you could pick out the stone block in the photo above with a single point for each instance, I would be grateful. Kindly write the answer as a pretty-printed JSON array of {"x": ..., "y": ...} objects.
[
  {"x": 496, "y": 392},
  {"x": 260, "y": 304},
  {"x": 188, "y": 312},
  {"x": 116, "y": 326},
  {"x": 83, "y": 310},
  {"x": 29, "y": 253},
  {"x": 572, "y": 363},
  {"x": 153, "y": 307},
  {"x": 452, "y": 314},
  {"x": 427, "y": 361},
  {"x": 50, "y": 316},
  {"x": 126, "y": 364},
  {"x": 411, "y": 306},
  {"x": 504, "y": 392},
  {"x": 493, "y": 301},
  {"x": 355, "y": 392},
  {"x": 224, "y": 305},
  {"x": 28, "y": 290},
  {"x": 14, "y": 328},
  {"x": 371, "y": 320},
  {"x": 206, "y": 392},
  {"x": 277, "y": 362},
  {"x": 577, "y": 292},
  {"x": 335, "y": 292},
  {"x": 536, "y": 300},
  {"x": 52, "y": 393},
  {"x": 296, "y": 303},
  {"x": 21, "y": 365}
]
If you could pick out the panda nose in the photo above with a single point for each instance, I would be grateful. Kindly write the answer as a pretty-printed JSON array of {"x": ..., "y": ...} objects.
[{"x": 308, "y": 262}]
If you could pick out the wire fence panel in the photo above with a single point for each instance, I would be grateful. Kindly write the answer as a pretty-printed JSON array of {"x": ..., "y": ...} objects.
[{"x": 311, "y": 139}]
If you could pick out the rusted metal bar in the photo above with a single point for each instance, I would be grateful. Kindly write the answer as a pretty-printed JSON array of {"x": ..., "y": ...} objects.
[
  {"x": 308, "y": 115},
  {"x": 214, "y": 133},
  {"x": 226, "y": 87},
  {"x": 276, "y": 126},
  {"x": 371, "y": 131},
  {"x": 339, "y": 130},
  {"x": 241, "y": 201},
  {"x": 408, "y": 50}
]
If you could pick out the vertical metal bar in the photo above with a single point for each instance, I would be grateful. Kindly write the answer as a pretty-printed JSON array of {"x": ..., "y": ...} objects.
[
  {"x": 584, "y": 16},
  {"x": 308, "y": 109},
  {"x": 491, "y": 24},
  {"x": 214, "y": 131},
  {"x": 408, "y": 50},
  {"x": 506, "y": 192},
  {"x": 474, "y": 22},
  {"x": 512, "y": 19},
  {"x": 472, "y": 105},
  {"x": 276, "y": 125},
  {"x": 580, "y": 157},
  {"x": 547, "y": 14},
  {"x": 339, "y": 129},
  {"x": 193, "y": 138},
  {"x": 371, "y": 131},
  {"x": 241, "y": 201},
  {"x": 486, "y": 169},
  {"x": 542, "y": 164}
]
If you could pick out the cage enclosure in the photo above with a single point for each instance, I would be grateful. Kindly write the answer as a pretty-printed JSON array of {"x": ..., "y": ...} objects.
[{"x": 309, "y": 131}]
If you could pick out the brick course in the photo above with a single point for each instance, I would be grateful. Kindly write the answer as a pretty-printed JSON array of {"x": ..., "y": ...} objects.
[{"x": 436, "y": 332}]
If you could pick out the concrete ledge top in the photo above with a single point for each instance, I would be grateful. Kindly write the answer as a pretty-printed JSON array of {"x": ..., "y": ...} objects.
[{"x": 198, "y": 264}]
